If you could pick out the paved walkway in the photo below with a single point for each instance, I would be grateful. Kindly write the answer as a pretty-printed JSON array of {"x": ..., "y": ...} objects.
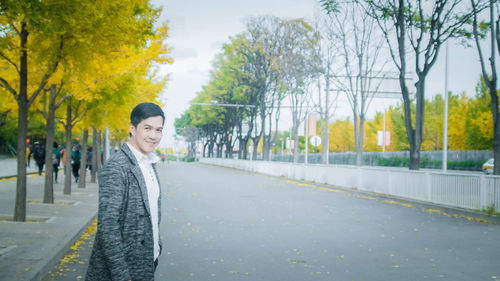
[
  {"x": 8, "y": 167},
  {"x": 28, "y": 250}
]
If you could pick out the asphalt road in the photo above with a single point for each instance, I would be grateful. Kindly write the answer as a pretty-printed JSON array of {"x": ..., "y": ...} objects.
[{"x": 224, "y": 224}]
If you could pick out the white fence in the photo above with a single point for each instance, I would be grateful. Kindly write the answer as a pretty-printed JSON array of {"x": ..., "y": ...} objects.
[{"x": 476, "y": 192}]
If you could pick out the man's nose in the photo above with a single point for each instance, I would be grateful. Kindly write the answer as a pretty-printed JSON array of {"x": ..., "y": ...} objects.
[{"x": 155, "y": 134}]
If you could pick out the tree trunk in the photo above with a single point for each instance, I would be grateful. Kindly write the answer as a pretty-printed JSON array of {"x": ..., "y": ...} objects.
[
  {"x": 93, "y": 165},
  {"x": 496, "y": 151},
  {"x": 255, "y": 142},
  {"x": 414, "y": 159},
  {"x": 240, "y": 147},
  {"x": 48, "y": 192},
  {"x": 67, "y": 171},
  {"x": 22, "y": 129},
  {"x": 417, "y": 133},
  {"x": 265, "y": 144},
  {"x": 83, "y": 161},
  {"x": 265, "y": 147},
  {"x": 229, "y": 149},
  {"x": 496, "y": 127},
  {"x": 245, "y": 146},
  {"x": 211, "y": 149}
]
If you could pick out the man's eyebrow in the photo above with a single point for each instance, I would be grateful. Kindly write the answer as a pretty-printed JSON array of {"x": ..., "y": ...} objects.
[{"x": 149, "y": 125}]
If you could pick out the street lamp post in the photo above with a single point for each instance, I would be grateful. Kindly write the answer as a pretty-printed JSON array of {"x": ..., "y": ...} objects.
[{"x": 445, "y": 113}]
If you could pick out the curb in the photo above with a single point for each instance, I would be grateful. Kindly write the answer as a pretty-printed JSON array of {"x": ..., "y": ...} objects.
[
  {"x": 15, "y": 176},
  {"x": 61, "y": 249}
]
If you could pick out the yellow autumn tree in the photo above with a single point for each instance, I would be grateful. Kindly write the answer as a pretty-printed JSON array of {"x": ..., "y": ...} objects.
[
  {"x": 341, "y": 136},
  {"x": 457, "y": 119},
  {"x": 432, "y": 136}
]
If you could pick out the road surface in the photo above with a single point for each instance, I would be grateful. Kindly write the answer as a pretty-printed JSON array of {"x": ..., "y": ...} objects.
[{"x": 224, "y": 224}]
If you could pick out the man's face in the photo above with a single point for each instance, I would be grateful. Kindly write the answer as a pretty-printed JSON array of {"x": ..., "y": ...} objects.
[{"x": 147, "y": 134}]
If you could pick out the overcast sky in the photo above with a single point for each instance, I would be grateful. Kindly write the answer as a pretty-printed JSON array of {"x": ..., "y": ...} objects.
[{"x": 199, "y": 28}]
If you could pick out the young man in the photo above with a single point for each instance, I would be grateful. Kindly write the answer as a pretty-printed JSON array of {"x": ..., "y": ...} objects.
[
  {"x": 39, "y": 155},
  {"x": 76, "y": 156},
  {"x": 127, "y": 243},
  {"x": 56, "y": 159}
]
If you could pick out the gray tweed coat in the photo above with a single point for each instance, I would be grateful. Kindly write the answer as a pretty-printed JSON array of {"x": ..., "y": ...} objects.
[{"x": 123, "y": 245}]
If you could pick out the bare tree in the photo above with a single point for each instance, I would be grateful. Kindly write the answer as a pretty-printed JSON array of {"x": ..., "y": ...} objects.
[
  {"x": 361, "y": 45},
  {"x": 299, "y": 64},
  {"x": 490, "y": 79},
  {"x": 327, "y": 51},
  {"x": 424, "y": 26}
]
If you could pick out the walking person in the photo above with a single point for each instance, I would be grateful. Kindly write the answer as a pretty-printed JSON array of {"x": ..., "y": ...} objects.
[
  {"x": 89, "y": 158},
  {"x": 127, "y": 243},
  {"x": 62, "y": 150},
  {"x": 29, "y": 151},
  {"x": 76, "y": 156},
  {"x": 56, "y": 159},
  {"x": 39, "y": 155}
]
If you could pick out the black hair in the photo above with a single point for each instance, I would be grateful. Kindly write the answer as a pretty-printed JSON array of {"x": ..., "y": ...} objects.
[
  {"x": 144, "y": 111},
  {"x": 55, "y": 145}
]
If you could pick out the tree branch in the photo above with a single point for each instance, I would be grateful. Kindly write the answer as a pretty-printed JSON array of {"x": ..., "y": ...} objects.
[
  {"x": 7, "y": 86},
  {"x": 9, "y": 61},
  {"x": 46, "y": 77}
]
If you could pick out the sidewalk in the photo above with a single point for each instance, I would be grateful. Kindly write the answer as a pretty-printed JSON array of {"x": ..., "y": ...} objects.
[
  {"x": 8, "y": 167},
  {"x": 28, "y": 250}
]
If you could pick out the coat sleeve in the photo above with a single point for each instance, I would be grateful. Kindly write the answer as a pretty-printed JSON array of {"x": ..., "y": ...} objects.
[{"x": 112, "y": 188}]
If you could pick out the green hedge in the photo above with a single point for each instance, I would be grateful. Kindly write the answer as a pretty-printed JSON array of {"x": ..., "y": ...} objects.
[
  {"x": 186, "y": 159},
  {"x": 469, "y": 165}
]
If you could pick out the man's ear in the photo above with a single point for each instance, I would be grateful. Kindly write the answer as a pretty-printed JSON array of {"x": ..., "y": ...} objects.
[{"x": 131, "y": 130}]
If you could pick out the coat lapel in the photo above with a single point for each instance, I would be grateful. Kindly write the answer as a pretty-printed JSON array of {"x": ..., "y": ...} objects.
[
  {"x": 136, "y": 171},
  {"x": 159, "y": 192}
]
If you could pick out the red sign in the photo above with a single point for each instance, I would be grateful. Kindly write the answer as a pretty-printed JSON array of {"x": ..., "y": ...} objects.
[{"x": 311, "y": 124}]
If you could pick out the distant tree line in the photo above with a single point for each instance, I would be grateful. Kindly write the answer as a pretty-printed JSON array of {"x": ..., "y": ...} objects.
[{"x": 291, "y": 64}]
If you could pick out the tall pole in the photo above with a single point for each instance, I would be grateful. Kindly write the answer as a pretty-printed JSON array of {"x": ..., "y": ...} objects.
[
  {"x": 445, "y": 113},
  {"x": 307, "y": 135},
  {"x": 327, "y": 128},
  {"x": 106, "y": 143},
  {"x": 383, "y": 135}
]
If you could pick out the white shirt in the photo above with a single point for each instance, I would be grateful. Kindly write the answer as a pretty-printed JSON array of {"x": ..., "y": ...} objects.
[{"x": 153, "y": 189}]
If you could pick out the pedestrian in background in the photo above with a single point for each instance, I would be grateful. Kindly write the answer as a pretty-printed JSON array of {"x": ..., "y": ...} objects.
[
  {"x": 56, "y": 159},
  {"x": 76, "y": 156},
  {"x": 89, "y": 158},
  {"x": 29, "y": 151},
  {"x": 39, "y": 155},
  {"x": 62, "y": 150},
  {"x": 127, "y": 242}
]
